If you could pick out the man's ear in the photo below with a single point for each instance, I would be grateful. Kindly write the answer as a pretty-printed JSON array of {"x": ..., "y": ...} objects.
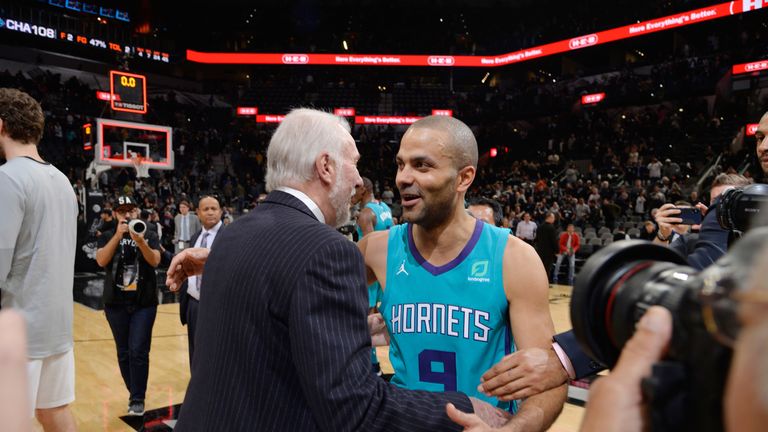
[
  {"x": 325, "y": 168},
  {"x": 465, "y": 178}
]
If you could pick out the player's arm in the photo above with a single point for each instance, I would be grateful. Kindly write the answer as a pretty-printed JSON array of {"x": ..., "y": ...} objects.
[
  {"x": 373, "y": 247},
  {"x": 366, "y": 220},
  {"x": 12, "y": 198},
  {"x": 528, "y": 294}
]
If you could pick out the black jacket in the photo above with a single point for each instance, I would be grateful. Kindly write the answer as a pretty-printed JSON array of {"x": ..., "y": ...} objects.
[{"x": 283, "y": 343}]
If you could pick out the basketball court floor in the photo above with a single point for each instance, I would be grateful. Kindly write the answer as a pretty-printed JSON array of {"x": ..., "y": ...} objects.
[{"x": 102, "y": 399}]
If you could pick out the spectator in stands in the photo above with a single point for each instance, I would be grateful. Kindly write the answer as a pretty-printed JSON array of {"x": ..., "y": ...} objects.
[
  {"x": 569, "y": 244},
  {"x": 649, "y": 231},
  {"x": 582, "y": 213},
  {"x": 546, "y": 242},
  {"x": 712, "y": 240},
  {"x": 654, "y": 169},
  {"x": 526, "y": 229},
  {"x": 640, "y": 203}
]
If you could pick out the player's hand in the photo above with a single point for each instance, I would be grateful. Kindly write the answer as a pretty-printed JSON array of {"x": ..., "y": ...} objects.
[
  {"x": 616, "y": 402},
  {"x": 523, "y": 374},
  {"x": 665, "y": 219},
  {"x": 189, "y": 262},
  {"x": 378, "y": 330},
  {"x": 486, "y": 418}
]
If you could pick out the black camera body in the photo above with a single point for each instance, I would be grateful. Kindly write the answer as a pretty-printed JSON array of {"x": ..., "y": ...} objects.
[{"x": 620, "y": 282}]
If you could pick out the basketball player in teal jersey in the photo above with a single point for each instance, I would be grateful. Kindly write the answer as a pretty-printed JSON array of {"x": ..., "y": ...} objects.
[
  {"x": 374, "y": 216},
  {"x": 454, "y": 287}
]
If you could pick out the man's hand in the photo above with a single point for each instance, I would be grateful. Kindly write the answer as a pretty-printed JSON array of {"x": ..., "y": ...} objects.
[
  {"x": 121, "y": 229},
  {"x": 378, "y": 330},
  {"x": 665, "y": 219},
  {"x": 616, "y": 402},
  {"x": 486, "y": 418},
  {"x": 138, "y": 238},
  {"x": 523, "y": 374},
  {"x": 189, "y": 262}
]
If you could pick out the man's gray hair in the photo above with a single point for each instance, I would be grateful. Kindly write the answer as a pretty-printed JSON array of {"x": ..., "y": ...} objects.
[{"x": 303, "y": 135}]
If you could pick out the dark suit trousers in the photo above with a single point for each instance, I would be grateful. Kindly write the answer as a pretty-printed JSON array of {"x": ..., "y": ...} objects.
[{"x": 191, "y": 325}]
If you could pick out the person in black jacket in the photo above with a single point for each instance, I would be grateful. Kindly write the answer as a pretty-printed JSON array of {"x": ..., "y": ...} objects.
[
  {"x": 547, "y": 242},
  {"x": 130, "y": 297},
  {"x": 282, "y": 342}
]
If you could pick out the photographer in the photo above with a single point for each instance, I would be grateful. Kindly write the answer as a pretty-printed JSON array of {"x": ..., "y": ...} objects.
[
  {"x": 712, "y": 240},
  {"x": 129, "y": 257},
  {"x": 616, "y": 403}
]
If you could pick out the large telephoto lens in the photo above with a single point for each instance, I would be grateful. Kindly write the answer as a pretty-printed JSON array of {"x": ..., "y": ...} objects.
[
  {"x": 615, "y": 288},
  {"x": 739, "y": 208}
]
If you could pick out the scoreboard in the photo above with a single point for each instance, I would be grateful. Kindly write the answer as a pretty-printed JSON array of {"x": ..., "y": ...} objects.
[{"x": 129, "y": 92}]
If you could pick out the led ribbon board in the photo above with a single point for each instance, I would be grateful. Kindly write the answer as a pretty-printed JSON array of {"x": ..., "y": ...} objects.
[{"x": 678, "y": 20}]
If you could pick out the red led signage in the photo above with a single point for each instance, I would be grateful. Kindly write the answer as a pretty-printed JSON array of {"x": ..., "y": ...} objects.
[
  {"x": 395, "y": 120},
  {"x": 592, "y": 98},
  {"x": 269, "y": 118},
  {"x": 750, "y": 67},
  {"x": 751, "y": 129},
  {"x": 247, "y": 111},
  {"x": 344, "y": 112},
  {"x": 106, "y": 96},
  {"x": 678, "y": 20},
  {"x": 442, "y": 112}
]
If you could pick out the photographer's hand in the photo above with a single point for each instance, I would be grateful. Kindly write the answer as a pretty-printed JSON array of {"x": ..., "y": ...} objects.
[
  {"x": 665, "y": 219},
  {"x": 616, "y": 402}
]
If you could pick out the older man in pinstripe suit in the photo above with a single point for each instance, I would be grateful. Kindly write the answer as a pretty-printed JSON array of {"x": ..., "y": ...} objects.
[{"x": 282, "y": 343}]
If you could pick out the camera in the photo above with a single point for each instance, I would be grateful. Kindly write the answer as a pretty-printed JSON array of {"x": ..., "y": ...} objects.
[
  {"x": 137, "y": 226},
  {"x": 619, "y": 283},
  {"x": 739, "y": 206}
]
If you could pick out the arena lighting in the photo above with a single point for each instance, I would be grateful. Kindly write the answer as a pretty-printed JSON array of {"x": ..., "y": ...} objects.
[
  {"x": 669, "y": 22},
  {"x": 485, "y": 77},
  {"x": 346, "y": 47},
  {"x": 593, "y": 98},
  {"x": 750, "y": 67},
  {"x": 751, "y": 129},
  {"x": 393, "y": 120},
  {"x": 494, "y": 152},
  {"x": 269, "y": 118},
  {"x": 344, "y": 112},
  {"x": 247, "y": 111}
]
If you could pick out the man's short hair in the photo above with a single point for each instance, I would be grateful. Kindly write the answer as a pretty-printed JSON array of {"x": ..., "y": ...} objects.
[
  {"x": 731, "y": 180},
  {"x": 493, "y": 204},
  {"x": 463, "y": 145},
  {"x": 22, "y": 116},
  {"x": 211, "y": 196},
  {"x": 367, "y": 184}
]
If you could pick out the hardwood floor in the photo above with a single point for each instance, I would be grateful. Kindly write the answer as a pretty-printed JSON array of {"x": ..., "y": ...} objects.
[{"x": 102, "y": 397}]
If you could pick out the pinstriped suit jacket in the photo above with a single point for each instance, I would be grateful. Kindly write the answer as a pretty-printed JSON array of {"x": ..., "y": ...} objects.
[{"x": 283, "y": 343}]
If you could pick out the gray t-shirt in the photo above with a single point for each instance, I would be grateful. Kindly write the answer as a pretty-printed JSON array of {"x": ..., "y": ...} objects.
[{"x": 38, "y": 236}]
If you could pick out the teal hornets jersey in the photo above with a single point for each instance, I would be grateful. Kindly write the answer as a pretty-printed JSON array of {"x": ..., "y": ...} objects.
[
  {"x": 383, "y": 217},
  {"x": 447, "y": 324}
]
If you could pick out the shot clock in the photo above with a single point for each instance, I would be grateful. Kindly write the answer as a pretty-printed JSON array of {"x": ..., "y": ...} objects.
[{"x": 129, "y": 92}]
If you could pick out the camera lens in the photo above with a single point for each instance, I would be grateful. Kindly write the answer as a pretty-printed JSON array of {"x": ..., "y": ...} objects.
[
  {"x": 137, "y": 226},
  {"x": 738, "y": 207},
  {"x": 615, "y": 288}
]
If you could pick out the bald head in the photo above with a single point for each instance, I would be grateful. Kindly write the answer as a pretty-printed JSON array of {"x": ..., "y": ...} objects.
[{"x": 461, "y": 145}]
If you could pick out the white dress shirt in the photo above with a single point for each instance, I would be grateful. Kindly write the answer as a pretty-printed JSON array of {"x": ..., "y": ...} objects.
[
  {"x": 313, "y": 207},
  {"x": 192, "y": 281}
]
